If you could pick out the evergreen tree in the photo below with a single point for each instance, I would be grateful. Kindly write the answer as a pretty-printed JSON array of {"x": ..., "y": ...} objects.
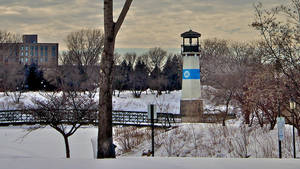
[
  {"x": 34, "y": 78},
  {"x": 170, "y": 74},
  {"x": 177, "y": 63},
  {"x": 121, "y": 77},
  {"x": 138, "y": 78},
  {"x": 157, "y": 81},
  {"x": 128, "y": 70}
]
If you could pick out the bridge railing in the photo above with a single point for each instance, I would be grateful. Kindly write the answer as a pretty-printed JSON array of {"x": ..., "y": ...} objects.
[{"x": 19, "y": 117}]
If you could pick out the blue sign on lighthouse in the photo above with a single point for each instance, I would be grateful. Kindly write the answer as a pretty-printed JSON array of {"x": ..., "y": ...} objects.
[{"x": 191, "y": 74}]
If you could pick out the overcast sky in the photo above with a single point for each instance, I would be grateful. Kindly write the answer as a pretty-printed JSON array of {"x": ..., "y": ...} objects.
[{"x": 149, "y": 23}]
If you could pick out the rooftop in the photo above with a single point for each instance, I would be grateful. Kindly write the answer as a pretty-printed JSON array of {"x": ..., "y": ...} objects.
[{"x": 190, "y": 34}]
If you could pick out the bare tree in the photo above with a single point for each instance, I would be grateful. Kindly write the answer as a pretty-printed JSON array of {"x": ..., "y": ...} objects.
[
  {"x": 82, "y": 59},
  {"x": 12, "y": 79},
  {"x": 226, "y": 67},
  {"x": 9, "y": 47},
  {"x": 130, "y": 58},
  {"x": 11, "y": 76},
  {"x": 84, "y": 47},
  {"x": 9, "y": 37},
  {"x": 157, "y": 56},
  {"x": 64, "y": 111},
  {"x": 279, "y": 29},
  {"x": 117, "y": 59},
  {"x": 111, "y": 29},
  {"x": 212, "y": 50}
]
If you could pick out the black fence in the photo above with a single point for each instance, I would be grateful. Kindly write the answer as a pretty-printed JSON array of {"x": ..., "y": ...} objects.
[{"x": 133, "y": 118}]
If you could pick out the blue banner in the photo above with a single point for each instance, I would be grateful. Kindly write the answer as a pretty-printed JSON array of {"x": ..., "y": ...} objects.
[{"x": 191, "y": 74}]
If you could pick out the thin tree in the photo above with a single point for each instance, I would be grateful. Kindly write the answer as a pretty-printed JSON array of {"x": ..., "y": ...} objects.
[
  {"x": 111, "y": 29},
  {"x": 64, "y": 111}
]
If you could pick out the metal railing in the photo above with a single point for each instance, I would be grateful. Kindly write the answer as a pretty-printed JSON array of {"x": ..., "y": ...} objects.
[{"x": 134, "y": 118}]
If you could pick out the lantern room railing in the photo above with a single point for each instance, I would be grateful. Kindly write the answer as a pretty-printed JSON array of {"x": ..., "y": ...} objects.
[{"x": 192, "y": 48}]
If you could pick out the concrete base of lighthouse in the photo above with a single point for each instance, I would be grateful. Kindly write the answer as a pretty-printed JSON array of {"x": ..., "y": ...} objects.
[{"x": 191, "y": 110}]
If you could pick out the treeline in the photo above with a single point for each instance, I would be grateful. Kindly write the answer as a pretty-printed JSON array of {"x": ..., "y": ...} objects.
[
  {"x": 137, "y": 74},
  {"x": 23, "y": 78}
]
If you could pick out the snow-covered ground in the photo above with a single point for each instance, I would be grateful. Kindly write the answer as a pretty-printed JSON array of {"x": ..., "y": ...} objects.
[
  {"x": 149, "y": 163},
  {"x": 166, "y": 102},
  {"x": 17, "y": 142},
  {"x": 44, "y": 148}
]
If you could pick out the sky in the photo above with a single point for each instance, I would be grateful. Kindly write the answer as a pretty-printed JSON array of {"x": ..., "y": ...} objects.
[{"x": 149, "y": 23}]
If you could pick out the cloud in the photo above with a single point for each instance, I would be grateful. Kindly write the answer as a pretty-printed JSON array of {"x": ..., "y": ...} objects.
[{"x": 149, "y": 23}]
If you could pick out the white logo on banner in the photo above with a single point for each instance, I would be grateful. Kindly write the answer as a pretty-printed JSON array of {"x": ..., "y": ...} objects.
[{"x": 186, "y": 74}]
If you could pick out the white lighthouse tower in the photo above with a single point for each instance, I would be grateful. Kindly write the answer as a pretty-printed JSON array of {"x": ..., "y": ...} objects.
[{"x": 191, "y": 104}]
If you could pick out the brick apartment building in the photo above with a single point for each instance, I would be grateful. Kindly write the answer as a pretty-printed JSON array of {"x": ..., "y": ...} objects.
[{"x": 29, "y": 51}]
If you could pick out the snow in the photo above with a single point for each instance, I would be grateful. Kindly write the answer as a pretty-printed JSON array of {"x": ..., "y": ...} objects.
[
  {"x": 149, "y": 163},
  {"x": 44, "y": 148},
  {"x": 167, "y": 103},
  {"x": 16, "y": 142}
]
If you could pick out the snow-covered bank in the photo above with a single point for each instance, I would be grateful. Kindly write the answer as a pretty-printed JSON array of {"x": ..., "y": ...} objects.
[
  {"x": 149, "y": 163},
  {"x": 15, "y": 142},
  {"x": 189, "y": 140}
]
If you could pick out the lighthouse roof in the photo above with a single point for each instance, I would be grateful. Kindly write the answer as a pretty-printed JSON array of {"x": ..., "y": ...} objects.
[{"x": 190, "y": 34}]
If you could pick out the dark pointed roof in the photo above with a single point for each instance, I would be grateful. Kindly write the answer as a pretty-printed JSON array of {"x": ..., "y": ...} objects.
[{"x": 190, "y": 34}]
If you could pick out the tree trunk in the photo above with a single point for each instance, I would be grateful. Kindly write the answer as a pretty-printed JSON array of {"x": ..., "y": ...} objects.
[
  {"x": 67, "y": 147},
  {"x": 105, "y": 140},
  {"x": 247, "y": 116},
  {"x": 223, "y": 122},
  {"x": 272, "y": 125},
  {"x": 105, "y": 137}
]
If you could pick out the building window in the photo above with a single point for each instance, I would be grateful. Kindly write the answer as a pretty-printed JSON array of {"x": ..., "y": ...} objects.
[
  {"x": 26, "y": 53},
  {"x": 22, "y": 53},
  {"x": 42, "y": 50},
  {"x": 26, "y": 48},
  {"x": 31, "y": 50},
  {"x": 41, "y": 60},
  {"x": 46, "y": 59},
  {"x": 26, "y": 60},
  {"x": 46, "y": 50},
  {"x": 53, "y": 51},
  {"x": 22, "y": 60},
  {"x": 11, "y": 52},
  {"x": 22, "y": 47},
  {"x": 36, "y": 51}
]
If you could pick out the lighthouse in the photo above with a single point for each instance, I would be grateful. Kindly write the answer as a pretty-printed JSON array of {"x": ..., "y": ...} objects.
[{"x": 191, "y": 104}]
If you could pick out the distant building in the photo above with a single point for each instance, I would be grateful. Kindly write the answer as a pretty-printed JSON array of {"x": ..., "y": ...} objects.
[{"x": 30, "y": 51}]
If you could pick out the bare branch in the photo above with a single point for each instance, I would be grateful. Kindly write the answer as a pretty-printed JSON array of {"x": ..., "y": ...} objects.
[{"x": 122, "y": 16}]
